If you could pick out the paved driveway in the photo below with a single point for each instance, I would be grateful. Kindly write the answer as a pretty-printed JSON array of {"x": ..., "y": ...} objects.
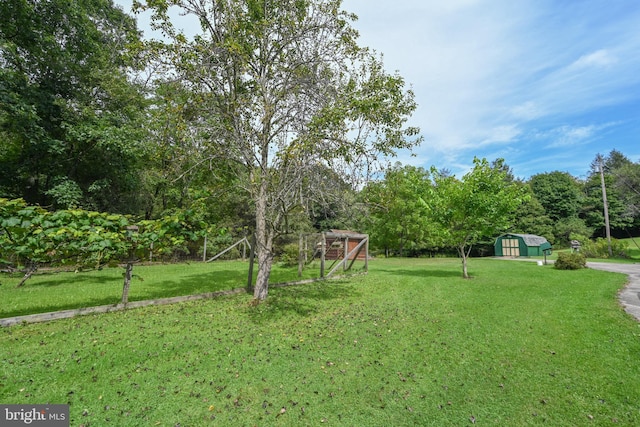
[{"x": 629, "y": 296}]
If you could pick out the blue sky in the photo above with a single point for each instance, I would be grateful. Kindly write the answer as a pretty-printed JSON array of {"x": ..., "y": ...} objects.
[{"x": 544, "y": 84}]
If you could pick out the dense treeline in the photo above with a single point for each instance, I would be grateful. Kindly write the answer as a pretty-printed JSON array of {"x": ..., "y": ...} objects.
[
  {"x": 560, "y": 207},
  {"x": 255, "y": 125}
]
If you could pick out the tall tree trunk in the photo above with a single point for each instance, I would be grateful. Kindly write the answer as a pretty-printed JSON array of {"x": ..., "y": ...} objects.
[
  {"x": 463, "y": 254},
  {"x": 465, "y": 274},
  {"x": 264, "y": 245},
  {"x": 265, "y": 261}
]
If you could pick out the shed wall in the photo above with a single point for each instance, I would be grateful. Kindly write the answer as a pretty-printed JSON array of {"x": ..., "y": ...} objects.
[{"x": 511, "y": 246}]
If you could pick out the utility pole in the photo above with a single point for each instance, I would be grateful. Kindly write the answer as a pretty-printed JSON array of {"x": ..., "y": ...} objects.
[{"x": 606, "y": 205}]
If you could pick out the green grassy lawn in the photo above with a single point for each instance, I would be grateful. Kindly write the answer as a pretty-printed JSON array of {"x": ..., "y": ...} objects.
[
  {"x": 48, "y": 291},
  {"x": 633, "y": 251},
  {"x": 411, "y": 343}
]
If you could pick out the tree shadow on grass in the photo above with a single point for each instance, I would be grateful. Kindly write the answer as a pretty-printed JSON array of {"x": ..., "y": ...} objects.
[
  {"x": 302, "y": 300},
  {"x": 426, "y": 273},
  {"x": 47, "y": 279},
  {"x": 81, "y": 279},
  {"x": 192, "y": 284},
  {"x": 141, "y": 289}
]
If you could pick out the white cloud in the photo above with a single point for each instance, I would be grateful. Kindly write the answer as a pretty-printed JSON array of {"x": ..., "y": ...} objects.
[
  {"x": 566, "y": 136},
  {"x": 599, "y": 58},
  {"x": 527, "y": 111},
  {"x": 495, "y": 74},
  {"x": 572, "y": 136},
  {"x": 501, "y": 134}
]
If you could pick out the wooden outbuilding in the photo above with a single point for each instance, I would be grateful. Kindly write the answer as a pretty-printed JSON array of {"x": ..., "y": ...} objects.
[
  {"x": 521, "y": 245},
  {"x": 337, "y": 241},
  {"x": 343, "y": 247}
]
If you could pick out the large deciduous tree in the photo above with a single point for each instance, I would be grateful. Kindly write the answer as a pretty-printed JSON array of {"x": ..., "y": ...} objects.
[
  {"x": 284, "y": 89},
  {"x": 399, "y": 216},
  {"x": 563, "y": 198},
  {"x": 622, "y": 177},
  {"x": 68, "y": 112},
  {"x": 620, "y": 217},
  {"x": 559, "y": 193},
  {"x": 532, "y": 219},
  {"x": 480, "y": 205},
  {"x": 627, "y": 183}
]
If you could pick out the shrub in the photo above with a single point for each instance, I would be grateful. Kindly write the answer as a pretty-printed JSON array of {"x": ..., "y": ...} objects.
[
  {"x": 289, "y": 255},
  {"x": 600, "y": 248},
  {"x": 570, "y": 261}
]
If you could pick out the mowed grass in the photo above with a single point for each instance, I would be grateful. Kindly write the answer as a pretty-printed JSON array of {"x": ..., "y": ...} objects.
[
  {"x": 48, "y": 291},
  {"x": 411, "y": 343},
  {"x": 633, "y": 250}
]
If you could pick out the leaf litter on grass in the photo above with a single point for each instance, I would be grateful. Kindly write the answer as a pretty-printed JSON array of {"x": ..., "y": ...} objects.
[{"x": 368, "y": 351}]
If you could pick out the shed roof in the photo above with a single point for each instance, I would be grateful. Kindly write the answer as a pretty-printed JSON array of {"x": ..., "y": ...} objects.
[
  {"x": 530, "y": 239},
  {"x": 341, "y": 234}
]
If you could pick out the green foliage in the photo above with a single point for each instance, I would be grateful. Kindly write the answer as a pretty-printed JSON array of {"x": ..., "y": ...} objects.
[
  {"x": 68, "y": 113},
  {"x": 289, "y": 255},
  {"x": 399, "y": 215},
  {"x": 620, "y": 217},
  {"x": 66, "y": 194},
  {"x": 480, "y": 205},
  {"x": 564, "y": 228},
  {"x": 559, "y": 193},
  {"x": 623, "y": 190},
  {"x": 570, "y": 261},
  {"x": 599, "y": 248},
  {"x": 85, "y": 238},
  {"x": 531, "y": 218}
]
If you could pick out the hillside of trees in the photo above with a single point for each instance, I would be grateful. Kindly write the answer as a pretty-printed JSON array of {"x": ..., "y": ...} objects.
[{"x": 263, "y": 137}]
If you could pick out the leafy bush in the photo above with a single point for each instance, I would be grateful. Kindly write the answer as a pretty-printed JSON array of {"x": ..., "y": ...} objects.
[
  {"x": 289, "y": 255},
  {"x": 600, "y": 248},
  {"x": 570, "y": 261}
]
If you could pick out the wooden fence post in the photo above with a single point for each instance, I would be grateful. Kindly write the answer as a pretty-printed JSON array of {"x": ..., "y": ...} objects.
[
  {"x": 366, "y": 254},
  {"x": 346, "y": 252},
  {"x": 244, "y": 249},
  {"x": 300, "y": 255},
  {"x": 252, "y": 255},
  {"x": 323, "y": 246},
  {"x": 204, "y": 249},
  {"x": 128, "y": 273}
]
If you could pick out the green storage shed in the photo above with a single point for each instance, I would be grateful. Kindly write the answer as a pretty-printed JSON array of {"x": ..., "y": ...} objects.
[{"x": 517, "y": 245}]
